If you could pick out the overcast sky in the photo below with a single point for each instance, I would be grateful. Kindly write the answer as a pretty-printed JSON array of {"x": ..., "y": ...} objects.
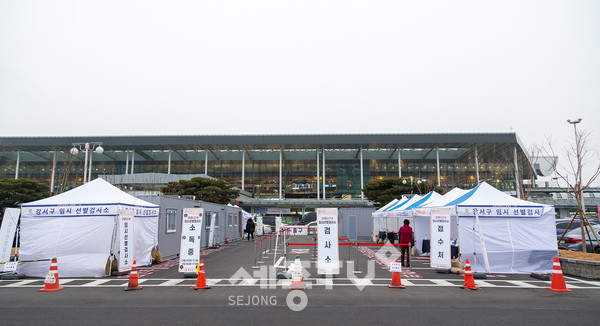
[{"x": 299, "y": 67}]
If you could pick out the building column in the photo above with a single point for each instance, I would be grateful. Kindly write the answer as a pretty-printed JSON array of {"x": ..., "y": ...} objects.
[
  {"x": 477, "y": 163},
  {"x": 132, "y": 160},
  {"x": 362, "y": 181},
  {"x": 206, "y": 161},
  {"x": 280, "y": 170},
  {"x": 243, "y": 166},
  {"x": 437, "y": 158},
  {"x": 324, "y": 196},
  {"x": 169, "y": 164},
  {"x": 399, "y": 163},
  {"x": 127, "y": 162},
  {"x": 53, "y": 172},
  {"x": 517, "y": 175},
  {"x": 18, "y": 162},
  {"x": 318, "y": 183}
]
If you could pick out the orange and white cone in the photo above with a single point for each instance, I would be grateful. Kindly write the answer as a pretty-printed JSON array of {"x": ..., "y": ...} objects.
[
  {"x": 558, "y": 280},
  {"x": 51, "y": 282},
  {"x": 396, "y": 280},
  {"x": 469, "y": 279},
  {"x": 297, "y": 278},
  {"x": 201, "y": 281},
  {"x": 133, "y": 279}
]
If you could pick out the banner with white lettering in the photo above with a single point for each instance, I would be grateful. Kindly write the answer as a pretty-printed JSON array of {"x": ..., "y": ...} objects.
[
  {"x": 126, "y": 247},
  {"x": 440, "y": 237},
  {"x": 327, "y": 241},
  {"x": 191, "y": 235},
  {"x": 7, "y": 232}
]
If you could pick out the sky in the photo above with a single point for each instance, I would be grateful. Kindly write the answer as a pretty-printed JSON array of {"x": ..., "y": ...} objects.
[{"x": 91, "y": 68}]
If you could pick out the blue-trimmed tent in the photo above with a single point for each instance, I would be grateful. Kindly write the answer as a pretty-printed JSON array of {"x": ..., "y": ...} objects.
[
  {"x": 518, "y": 236},
  {"x": 80, "y": 228}
]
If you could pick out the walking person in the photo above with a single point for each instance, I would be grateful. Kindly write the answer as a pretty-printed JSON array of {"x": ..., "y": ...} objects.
[
  {"x": 405, "y": 237},
  {"x": 250, "y": 226}
]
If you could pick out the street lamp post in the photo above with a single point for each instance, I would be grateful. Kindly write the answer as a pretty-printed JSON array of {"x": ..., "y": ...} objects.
[
  {"x": 87, "y": 147},
  {"x": 574, "y": 123}
]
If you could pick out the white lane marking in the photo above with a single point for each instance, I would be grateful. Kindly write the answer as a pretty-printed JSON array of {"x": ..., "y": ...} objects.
[
  {"x": 172, "y": 282},
  {"x": 96, "y": 283},
  {"x": 442, "y": 283},
  {"x": 278, "y": 262},
  {"x": 523, "y": 284},
  {"x": 312, "y": 281}
]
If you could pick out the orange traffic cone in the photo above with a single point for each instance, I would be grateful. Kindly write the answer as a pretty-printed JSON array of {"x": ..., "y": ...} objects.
[
  {"x": 558, "y": 281},
  {"x": 396, "y": 280},
  {"x": 51, "y": 282},
  {"x": 133, "y": 279},
  {"x": 297, "y": 278},
  {"x": 201, "y": 281},
  {"x": 469, "y": 280}
]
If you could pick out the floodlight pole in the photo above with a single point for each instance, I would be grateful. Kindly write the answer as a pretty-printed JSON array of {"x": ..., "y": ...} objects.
[{"x": 94, "y": 146}]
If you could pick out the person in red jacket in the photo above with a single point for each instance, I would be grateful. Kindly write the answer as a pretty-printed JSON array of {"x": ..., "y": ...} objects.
[{"x": 405, "y": 237}]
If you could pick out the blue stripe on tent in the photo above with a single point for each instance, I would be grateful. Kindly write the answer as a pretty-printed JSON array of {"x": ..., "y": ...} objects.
[
  {"x": 463, "y": 197},
  {"x": 420, "y": 201},
  {"x": 74, "y": 205},
  {"x": 398, "y": 204}
]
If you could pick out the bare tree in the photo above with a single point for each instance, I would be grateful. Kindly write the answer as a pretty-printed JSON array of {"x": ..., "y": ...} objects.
[{"x": 575, "y": 157}]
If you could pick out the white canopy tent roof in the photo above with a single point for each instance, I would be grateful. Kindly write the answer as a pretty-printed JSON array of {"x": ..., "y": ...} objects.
[
  {"x": 421, "y": 216},
  {"x": 80, "y": 228}
]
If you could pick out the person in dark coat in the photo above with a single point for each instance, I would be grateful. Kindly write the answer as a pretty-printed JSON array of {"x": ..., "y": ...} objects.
[
  {"x": 405, "y": 238},
  {"x": 250, "y": 226}
]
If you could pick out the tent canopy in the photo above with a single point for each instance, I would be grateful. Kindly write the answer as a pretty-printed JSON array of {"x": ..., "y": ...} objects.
[
  {"x": 80, "y": 228},
  {"x": 512, "y": 235},
  {"x": 98, "y": 193}
]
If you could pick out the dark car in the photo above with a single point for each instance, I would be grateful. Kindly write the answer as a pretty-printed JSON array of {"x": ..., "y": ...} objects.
[
  {"x": 573, "y": 240},
  {"x": 561, "y": 225},
  {"x": 307, "y": 218}
]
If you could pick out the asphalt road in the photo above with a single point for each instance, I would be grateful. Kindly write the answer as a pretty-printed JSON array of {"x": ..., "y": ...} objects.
[{"x": 501, "y": 300}]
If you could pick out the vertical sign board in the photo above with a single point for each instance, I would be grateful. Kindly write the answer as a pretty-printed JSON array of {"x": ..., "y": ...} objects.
[
  {"x": 327, "y": 235},
  {"x": 440, "y": 238},
  {"x": 191, "y": 234},
  {"x": 126, "y": 239},
  {"x": 259, "y": 225},
  {"x": 7, "y": 232},
  {"x": 277, "y": 223}
]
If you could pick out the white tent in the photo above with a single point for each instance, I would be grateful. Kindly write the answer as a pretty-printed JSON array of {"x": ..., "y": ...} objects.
[
  {"x": 509, "y": 235},
  {"x": 388, "y": 220},
  {"x": 422, "y": 216},
  {"x": 80, "y": 228}
]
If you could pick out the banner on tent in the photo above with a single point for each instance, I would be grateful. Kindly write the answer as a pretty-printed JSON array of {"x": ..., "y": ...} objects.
[
  {"x": 126, "y": 238},
  {"x": 422, "y": 211},
  {"x": 86, "y": 210},
  {"x": 8, "y": 231},
  {"x": 440, "y": 237},
  {"x": 327, "y": 235},
  {"x": 191, "y": 235},
  {"x": 500, "y": 211}
]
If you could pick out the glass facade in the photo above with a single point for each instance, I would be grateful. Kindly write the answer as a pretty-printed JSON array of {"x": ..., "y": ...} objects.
[{"x": 301, "y": 171}]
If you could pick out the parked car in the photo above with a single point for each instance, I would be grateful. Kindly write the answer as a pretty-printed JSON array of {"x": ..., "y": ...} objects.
[
  {"x": 573, "y": 240},
  {"x": 307, "y": 218},
  {"x": 561, "y": 225}
]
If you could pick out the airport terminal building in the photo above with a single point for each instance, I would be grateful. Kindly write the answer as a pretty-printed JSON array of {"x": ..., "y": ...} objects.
[{"x": 276, "y": 168}]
